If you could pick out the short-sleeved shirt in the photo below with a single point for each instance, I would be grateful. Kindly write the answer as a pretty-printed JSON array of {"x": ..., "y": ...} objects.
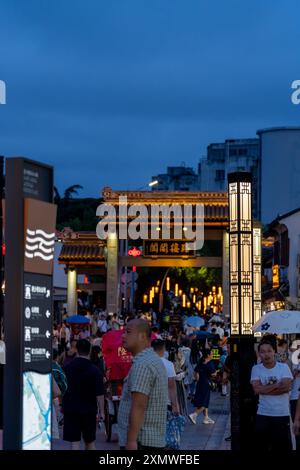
[
  {"x": 295, "y": 344},
  {"x": 272, "y": 405},
  {"x": 102, "y": 325},
  {"x": 85, "y": 383},
  {"x": 148, "y": 376},
  {"x": 295, "y": 390},
  {"x": 171, "y": 374}
]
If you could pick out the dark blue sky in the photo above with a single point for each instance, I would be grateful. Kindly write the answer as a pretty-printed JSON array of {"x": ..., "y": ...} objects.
[{"x": 111, "y": 92}]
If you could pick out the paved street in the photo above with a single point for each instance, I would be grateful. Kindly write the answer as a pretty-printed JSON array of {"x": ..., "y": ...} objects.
[
  {"x": 196, "y": 437},
  {"x": 206, "y": 436}
]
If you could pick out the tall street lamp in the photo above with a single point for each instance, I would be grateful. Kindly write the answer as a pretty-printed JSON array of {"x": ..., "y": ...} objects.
[
  {"x": 244, "y": 281},
  {"x": 153, "y": 183}
]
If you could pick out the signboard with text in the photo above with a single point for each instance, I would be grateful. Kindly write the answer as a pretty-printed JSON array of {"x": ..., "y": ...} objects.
[
  {"x": 167, "y": 248},
  {"x": 37, "y": 321},
  {"x": 30, "y": 238}
]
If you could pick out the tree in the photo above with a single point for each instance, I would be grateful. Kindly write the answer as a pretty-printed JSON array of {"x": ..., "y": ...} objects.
[
  {"x": 57, "y": 197},
  {"x": 203, "y": 278},
  {"x": 69, "y": 192}
]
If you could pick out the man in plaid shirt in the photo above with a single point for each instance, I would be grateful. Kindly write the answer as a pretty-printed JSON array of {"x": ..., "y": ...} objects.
[{"x": 143, "y": 407}]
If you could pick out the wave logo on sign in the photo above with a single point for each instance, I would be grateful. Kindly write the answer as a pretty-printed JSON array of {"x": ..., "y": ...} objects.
[{"x": 39, "y": 244}]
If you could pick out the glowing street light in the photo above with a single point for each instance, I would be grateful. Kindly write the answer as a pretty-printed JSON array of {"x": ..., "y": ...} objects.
[{"x": 244, "y": 290}]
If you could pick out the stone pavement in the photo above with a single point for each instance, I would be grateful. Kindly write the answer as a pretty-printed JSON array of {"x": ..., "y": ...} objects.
[
  {"x": 209, "y": 436},
  {"x": 196, "y": 437}
]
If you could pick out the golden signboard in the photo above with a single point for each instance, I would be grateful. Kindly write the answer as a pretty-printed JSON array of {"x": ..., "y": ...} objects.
[{"x": 169, "y": 248}]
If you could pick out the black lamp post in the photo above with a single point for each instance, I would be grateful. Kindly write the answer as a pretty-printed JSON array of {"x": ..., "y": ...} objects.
[{"x": 245, "y": 305}]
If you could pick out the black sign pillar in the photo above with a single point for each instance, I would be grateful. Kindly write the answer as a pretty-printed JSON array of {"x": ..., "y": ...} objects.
[{"x": 30, "y": 236}]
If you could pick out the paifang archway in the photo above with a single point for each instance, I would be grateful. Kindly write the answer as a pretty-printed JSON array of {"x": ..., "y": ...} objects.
[
  {"x": 161, "y": 252},
  {"x": 84, "y": 253}
]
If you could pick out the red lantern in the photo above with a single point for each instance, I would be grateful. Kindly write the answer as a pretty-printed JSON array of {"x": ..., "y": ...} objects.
[{"x": 134, "y": 252}]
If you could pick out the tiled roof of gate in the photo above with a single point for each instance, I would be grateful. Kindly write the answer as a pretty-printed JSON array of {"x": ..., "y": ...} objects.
[{"x": 74, "y": 252}]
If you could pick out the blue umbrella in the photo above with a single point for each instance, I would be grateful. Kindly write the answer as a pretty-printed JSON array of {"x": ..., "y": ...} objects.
[
  {"x": 196, "y": 322},
  {"x": 202, "y": 334},
  {"x": 79, "y": 319}
]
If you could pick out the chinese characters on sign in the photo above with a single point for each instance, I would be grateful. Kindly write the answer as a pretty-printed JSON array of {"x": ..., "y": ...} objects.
[
  {"x": 166, "y": 248},
  {"x": 37, "y": 322}
]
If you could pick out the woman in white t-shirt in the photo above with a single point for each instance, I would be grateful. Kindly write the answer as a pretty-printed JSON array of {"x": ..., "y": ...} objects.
[
  {"x": 295, "y": 393},
  {"x": 296, "y": 343},
  {"x": 272, "y": 380}
]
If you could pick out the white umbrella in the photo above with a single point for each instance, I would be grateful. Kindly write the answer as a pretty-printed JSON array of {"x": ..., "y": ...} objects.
[
  {"x": 215, "y": 318},
  {"x": 279, "y": 322}
]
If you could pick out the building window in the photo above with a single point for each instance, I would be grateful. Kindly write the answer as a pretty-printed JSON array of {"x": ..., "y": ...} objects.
[
  {"x": 243, "y": 151},
  {"x": 220, "y": 175}
]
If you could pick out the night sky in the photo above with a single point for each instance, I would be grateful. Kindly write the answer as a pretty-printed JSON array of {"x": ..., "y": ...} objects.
[{"x": 112, "y": 92}]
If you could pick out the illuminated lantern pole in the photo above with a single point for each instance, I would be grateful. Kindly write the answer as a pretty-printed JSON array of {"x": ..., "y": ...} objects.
[
  {"x": 161, "y": 290},
  {"x": 257, "y": 273},
  {"x": 151, "y": 295},
  {"x": 184, "y": 300},
  {"x": 176, "y": 290},
  {"x": 241, "y": 309}
]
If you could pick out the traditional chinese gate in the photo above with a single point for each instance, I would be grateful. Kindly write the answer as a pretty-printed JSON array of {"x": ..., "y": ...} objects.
[{"x": 167, "y": 253}]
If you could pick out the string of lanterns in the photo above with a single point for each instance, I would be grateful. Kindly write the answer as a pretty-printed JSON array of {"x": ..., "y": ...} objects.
[{"x": 194, "y": 298}]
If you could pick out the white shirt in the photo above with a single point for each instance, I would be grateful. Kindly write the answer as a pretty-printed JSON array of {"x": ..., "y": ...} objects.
[
  {"x": 295, "y": 344},
  {"x": 102, "y": 325},
  {"x": 220, "y": 331},
  {"x": 272, "y": 405},
  {"x": 97, "y": 342},
  {"x": 2, "y": 352},
  {"x": 295, "y": 385},
  {"x": 171, "y": 374}
]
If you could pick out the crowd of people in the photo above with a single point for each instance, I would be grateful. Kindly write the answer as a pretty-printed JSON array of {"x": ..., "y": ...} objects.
[{"x": 173, "y": 367}]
